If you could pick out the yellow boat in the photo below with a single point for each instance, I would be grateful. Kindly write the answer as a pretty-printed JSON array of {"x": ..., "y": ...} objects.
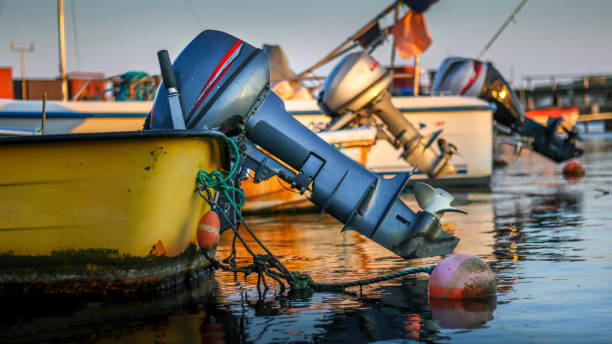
[{"x": 103, "y": 211}]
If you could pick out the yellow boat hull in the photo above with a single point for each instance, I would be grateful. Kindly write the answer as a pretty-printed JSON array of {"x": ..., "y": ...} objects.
[{"x": 94, "y": 210}]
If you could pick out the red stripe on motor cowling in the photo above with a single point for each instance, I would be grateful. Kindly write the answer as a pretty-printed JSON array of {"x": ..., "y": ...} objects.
[
  {"x": 473, "y": 78},
  {"x": 223, "y": 60},
  {"x": 211, "y": 87},
  {"x": 374, "y": 66}
]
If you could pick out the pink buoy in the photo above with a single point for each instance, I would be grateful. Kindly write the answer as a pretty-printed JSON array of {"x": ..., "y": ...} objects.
[{"x": 462, "y": 276}]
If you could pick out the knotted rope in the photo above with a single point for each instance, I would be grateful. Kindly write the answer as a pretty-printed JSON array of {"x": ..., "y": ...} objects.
[{"x": 267, "y": 264}]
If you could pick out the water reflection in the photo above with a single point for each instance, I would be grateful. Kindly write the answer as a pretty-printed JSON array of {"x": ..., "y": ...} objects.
[
  {"x": 533, "y": 225},
  {"x": 538, "y": 226},
  {"x": 173, "y": 316},
  {"x": 463, "y": 314}
]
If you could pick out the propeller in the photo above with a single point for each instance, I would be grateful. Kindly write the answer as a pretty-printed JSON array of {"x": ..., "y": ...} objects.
[
  {"x": 434, "y": 200},
  {"x": 573, "y": 134},
  {"x": 446, "y": 147}
]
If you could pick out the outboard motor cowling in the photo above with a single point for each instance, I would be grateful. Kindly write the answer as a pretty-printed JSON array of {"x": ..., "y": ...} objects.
[
  {"x": 224, "y": 84},
  {"x": 358, "y": 86},
  {"x": 470, "y": 77}
]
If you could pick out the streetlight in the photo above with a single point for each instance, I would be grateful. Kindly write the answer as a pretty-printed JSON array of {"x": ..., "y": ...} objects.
[{"x": 23, "y": 51}]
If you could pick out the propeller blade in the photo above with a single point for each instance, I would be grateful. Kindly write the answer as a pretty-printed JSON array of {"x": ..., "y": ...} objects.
[
  {"x": 434, "y": 201},
  {"x": 452, "y": 210},
  {"x": 424, "y": 194}
]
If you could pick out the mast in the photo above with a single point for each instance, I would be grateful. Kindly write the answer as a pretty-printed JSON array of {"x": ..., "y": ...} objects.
[
  {"x": 62, "y": 48},
  {"x": 392, "y": 68}
]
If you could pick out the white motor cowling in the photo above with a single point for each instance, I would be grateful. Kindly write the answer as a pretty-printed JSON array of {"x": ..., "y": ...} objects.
[{"x": 358, "y": 87}]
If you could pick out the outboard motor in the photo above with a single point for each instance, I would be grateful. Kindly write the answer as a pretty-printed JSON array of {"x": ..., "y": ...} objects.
[
  {"x": 357, "y": 89},
  {"x": 469, "y": 77},
  {"x": 224, "y": 85}
]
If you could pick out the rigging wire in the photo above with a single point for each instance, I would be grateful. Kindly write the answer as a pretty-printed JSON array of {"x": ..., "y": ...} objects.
[
  {"x": 75, "y": 35},
  {"x": 501, "y": 29},
  {"x": 194, "y": 14}
]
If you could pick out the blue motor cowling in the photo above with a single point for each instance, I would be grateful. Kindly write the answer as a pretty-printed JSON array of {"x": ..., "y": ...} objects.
[
  {"x": 224, "y": 85},
  {"x": 470, "y": 77},
  {"x": 219, "y": 76}
]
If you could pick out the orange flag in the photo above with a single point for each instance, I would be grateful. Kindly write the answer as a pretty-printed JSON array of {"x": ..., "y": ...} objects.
[{"x": 411, "y": 35}]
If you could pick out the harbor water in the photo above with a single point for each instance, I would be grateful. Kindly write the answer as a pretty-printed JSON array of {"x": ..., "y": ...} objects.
[{"x": 547, "y": 238}]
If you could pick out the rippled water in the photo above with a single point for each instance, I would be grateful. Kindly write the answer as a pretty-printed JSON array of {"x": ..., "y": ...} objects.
[{"x": 547, "y": 239}]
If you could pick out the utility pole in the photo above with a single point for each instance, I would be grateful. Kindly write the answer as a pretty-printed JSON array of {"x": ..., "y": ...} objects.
[
  {"x": 23, "y": 51},
  {"x": 62, "y": 48}
]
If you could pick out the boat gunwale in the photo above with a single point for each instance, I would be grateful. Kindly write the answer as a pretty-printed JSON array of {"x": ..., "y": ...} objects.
[
  {"x": 149, "y": 133},
  {"x": 120, "y": 135}
]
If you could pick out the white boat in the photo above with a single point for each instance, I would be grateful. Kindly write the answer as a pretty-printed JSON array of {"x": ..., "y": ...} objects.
[
  {"x": 466, "y": 122},
  {"x": 74, "y": 116}
]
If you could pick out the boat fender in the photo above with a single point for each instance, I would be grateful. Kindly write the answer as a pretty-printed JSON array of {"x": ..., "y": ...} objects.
[
  {"x": 208, "y": 230},
  {"x": 462, "y": 276},
  {"x": 573, "y": 169}
]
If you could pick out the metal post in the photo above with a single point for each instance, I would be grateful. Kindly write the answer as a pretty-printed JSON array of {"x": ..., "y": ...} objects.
[
  {"x": 586, "y": 90},
  {"x": 23, "y": 51},
  {"x": 392, "y": 68},
  {"x": 530, "y": 102},
  {"x": 417, "y": 74},
  {"x": 522, "y": 97},
  {"x": 62, "y": 48},
  {"x": 44, "y": 114}
]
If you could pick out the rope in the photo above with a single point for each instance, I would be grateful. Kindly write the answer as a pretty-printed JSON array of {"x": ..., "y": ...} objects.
[
  {"x": 267, "y": 264},
  {"x": 340, "y": 286}
]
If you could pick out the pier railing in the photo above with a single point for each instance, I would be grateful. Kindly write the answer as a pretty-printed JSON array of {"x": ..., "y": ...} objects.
[{"x": 591, "y": 93}]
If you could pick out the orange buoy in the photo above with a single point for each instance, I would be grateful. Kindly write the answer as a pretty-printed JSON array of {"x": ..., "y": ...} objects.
[
  {"x": 573, "y": 169},
  {"x": 208, "y": 230},
  {"x": 462, "y": 276}
]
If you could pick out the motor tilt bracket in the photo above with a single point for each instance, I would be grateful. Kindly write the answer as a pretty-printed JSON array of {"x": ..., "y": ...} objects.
[
  {"x": 263, "y": 165},
  {"x": 307, "y": 173}
]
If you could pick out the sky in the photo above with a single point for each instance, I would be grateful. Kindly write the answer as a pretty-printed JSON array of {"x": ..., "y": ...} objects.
[{"x": 116, "y": 36}]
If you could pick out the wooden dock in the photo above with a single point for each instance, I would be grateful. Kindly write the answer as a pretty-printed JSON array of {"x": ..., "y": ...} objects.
[{"x": 605, "y": 116}]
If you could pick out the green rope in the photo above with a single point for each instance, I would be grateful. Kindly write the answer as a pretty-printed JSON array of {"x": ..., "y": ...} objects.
[
  {"x": 342, "y": 285},
  {"x": 216, "y": 181},
  {"x": 264, "y": 263}
]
